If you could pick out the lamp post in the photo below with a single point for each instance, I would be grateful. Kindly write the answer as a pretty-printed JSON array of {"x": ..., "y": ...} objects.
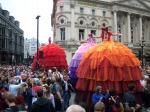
[
  {"x": 37, "y": 17},
  {"x": 142, "y": 52}
]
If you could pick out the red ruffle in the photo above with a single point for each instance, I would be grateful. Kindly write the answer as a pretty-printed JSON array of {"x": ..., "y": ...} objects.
[
  {"x": 107, "y": 72},
  {"x": 119, "y": 86}
]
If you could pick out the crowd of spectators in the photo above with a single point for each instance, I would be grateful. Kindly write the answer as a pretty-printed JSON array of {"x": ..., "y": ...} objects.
[{"x": 50, "y": 91}]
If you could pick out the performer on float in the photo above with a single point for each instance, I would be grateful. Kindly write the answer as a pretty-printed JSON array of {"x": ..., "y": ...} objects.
[
  {"x": 85, "y": 46},
  {"x": 106, "y": 35}
]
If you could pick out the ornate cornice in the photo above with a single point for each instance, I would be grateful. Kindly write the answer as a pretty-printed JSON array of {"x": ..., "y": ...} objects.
[
  {"x": 131, "y": 10},
  {"x": 120, "y": 3}
]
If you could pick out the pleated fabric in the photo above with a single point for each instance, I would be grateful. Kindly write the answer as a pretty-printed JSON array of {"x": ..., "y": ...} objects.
[
  {"x": 111, "y": 65},
  {"x": 77, "y": 58}
]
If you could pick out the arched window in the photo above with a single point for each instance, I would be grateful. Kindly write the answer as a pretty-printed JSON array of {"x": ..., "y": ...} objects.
[
  {"x": 132, "y": 33},
  {"x": 119, "y": 30},
  {"x": 93, "y": 23},
  {"x": 62, "y": 21},
  {"x": 81, "y": 22}
]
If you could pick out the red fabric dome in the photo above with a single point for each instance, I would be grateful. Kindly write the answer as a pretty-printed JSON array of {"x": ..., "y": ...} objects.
[{"x": 50, "y": 56}]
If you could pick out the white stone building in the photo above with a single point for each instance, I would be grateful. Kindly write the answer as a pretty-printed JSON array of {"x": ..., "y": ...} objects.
[
  {"x": 30, "y": 47},
  {"x": 72, "y": 20}
]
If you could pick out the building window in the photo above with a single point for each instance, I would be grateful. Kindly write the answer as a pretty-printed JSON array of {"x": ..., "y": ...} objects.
[
  {"x": 81, "y": 34},
  {"x": 119, "y": 30},
  {"x": 81, "y": 10},
  {"x": 143, "y": 31},
  {"x": 81, "y": 22},
  {"x": 104, "y": 13},
  {"x": 93, "y": 32},
  {"x": 62, "y": 33},
  {"x": 93, "y": 11},
  {"x": 93, "y": 23},
  {"x": 0, "y": 31},
  {"x": 3, "y": 31},
  {"x": 62, "y": 21},
  {"x": 3, "y": 43},
  {"x": 10, "y": 34},
  {"x": 131, "y": 34},
  {"x": 61, "y": 8}
]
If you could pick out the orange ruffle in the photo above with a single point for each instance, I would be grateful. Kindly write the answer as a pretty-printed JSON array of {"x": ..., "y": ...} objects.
[
  {"x": 118, "y": 55},
  {"x": 108, "y": 62},
  {"x": 111, "y": 61}
]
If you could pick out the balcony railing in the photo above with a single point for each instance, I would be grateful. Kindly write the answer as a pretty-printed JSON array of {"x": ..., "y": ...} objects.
[{"x": 67, "y": 43}]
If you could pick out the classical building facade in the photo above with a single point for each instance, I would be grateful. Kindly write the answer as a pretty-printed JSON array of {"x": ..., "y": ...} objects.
[
  {"x": 72, "y": 20},
  {"x": 11, "y": 39}
]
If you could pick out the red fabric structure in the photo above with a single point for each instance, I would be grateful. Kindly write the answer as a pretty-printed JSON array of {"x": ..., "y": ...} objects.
[{"x": 50, "y": 56}]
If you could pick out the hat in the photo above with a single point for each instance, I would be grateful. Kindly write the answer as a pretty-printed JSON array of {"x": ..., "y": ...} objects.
[{"x": 37, "y": 88}]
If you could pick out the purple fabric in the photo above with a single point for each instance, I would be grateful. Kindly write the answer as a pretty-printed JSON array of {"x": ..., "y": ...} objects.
[{"x": 77, "y": 58}]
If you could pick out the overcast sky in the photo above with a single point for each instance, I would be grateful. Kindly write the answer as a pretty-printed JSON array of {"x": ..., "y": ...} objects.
[{"x": 25, "y": 11}]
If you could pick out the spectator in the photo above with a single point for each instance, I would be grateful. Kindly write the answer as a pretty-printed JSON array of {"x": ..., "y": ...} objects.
[
  {"x": 57, "y": 92},
  {"x": 99, "y": 107},
  {"x": 75, "y": 108},
  {"x": 67, "y": 89},
  {"x": 3, "y": 104},
  {"x": 99, "y": 96},
  {"x": 130, "y": 100},
  {"x": 42, "y": 104},
  {"x": 114, "y": 103},
  {"x": 10, "y": 99},
  {"x": 85, "y": 106},
  {"x": 146, "y": 95},
  {"x": 48, "y": 94}
]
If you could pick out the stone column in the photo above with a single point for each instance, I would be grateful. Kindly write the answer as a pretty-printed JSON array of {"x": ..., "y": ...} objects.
[
  {"x": 129, "y": 28},
  {"x": 72, "y": 30},
  {"x": 115, "y": 24},
  {"x": 140, "y": 30}
]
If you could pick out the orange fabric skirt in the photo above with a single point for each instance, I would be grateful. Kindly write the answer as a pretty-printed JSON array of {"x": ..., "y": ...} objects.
[{"x": 110, "y": 64}]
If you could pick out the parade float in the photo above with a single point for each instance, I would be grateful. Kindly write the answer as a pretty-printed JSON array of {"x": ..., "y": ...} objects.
[
  {"x": 49, "y": 56},
  {"x": 90, "y": 42},
  {"x": 110, "y": 64}
]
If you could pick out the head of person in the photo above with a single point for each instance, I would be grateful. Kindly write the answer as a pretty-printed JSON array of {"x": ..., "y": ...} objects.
[
  {"x": 40, "y": 93},
  {"x": 66, "y": 77},
  {"x": 85, "y": 106},
  {"x": 98, "y": 89},
  {"x": 9, "y": 98},
  {"x": 99, "y": 107},
  {"x": 90, "y": 35},
  {"x": 131, "y": 87},
  {"x": 75, "y": 108}
]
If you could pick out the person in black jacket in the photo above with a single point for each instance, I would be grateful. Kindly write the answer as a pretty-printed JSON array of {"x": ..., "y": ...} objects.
[
  {"x": 67, "y": 89},
  {"x": 146, "y": 95},
  {"x": 42, "y": 104}
]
